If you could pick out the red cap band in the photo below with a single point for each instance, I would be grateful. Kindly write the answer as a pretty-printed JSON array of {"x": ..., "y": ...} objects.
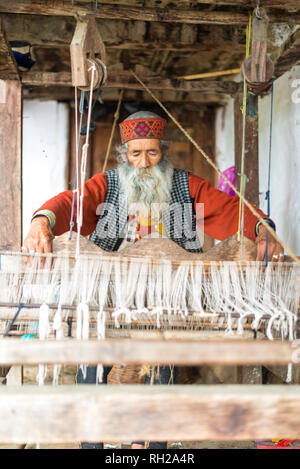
[{"x": 148, "y": 127}]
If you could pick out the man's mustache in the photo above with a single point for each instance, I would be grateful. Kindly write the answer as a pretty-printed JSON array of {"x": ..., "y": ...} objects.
[{"x": 144, "y": 172}]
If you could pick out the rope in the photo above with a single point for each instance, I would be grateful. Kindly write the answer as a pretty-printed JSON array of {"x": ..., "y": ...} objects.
[
  {"x": 269, "y": 166},
  {"x": 77, "y": 143},
  {"x": 208, "y": 159},
  {"x": 240, "y": 233},
  {"x": 116, "y": 117},
  {"x": 84, "y": 159}
]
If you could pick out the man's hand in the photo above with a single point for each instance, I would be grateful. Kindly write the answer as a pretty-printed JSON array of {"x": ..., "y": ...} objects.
[
  {"x": 275, "y": 250},
  {"x": 39, "y": 238}
]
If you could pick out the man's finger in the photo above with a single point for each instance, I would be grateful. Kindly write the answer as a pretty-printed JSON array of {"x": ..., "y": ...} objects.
[
  {"x": 30, "y": 247},
  {"x": 281, "y": 257},
  {"x": 261, "y": 251}
]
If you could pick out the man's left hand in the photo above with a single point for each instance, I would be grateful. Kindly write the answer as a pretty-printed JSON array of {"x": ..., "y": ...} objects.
[{"x": 275, "y": 250}]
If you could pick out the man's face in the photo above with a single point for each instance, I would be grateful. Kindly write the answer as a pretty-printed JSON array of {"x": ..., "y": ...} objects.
[{"x": 144, "y": 153}]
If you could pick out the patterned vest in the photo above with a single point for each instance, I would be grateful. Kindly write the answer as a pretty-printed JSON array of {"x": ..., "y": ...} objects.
[{"x": 179, "y": 218}]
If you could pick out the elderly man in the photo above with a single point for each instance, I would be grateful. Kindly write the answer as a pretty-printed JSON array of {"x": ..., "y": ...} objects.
[{"x": 127, "y": 203}]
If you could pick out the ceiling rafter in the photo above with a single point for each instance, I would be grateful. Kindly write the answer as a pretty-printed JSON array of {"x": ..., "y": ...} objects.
[
  {"x": 61, "y": 8},
  {"x": 127, "y": 81}
]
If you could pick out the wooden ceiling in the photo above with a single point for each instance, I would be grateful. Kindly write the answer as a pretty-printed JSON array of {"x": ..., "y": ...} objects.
[{"x": 161, "y": 40}]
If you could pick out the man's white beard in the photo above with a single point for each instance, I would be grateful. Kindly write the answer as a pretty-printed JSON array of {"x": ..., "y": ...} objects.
[{"x": 146, "y": 189}]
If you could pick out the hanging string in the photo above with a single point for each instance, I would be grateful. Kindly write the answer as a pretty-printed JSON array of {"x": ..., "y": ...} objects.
[
  {"x": 116, "y": 117},
  {"x": 210, "y": 161},
  {"x": 84, "y": 160},
  {"x": 269, "y": 167},
  {"x": 240, "y": 233},
  {"x": 77, "y": 144}
]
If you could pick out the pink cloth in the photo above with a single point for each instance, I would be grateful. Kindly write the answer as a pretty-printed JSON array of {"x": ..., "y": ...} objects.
[{"x": 223, "y": 186}]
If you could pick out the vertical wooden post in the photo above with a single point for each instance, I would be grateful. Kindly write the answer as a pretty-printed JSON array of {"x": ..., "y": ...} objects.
[
  {"x": 10, "y": 165},
  {"x": 247, "y": 374},
  {"x": 205, "y": 135},
  {"x": 251, "y": 167}
]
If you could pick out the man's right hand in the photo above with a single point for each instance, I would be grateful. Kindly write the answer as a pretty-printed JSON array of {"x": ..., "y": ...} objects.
[{"x": 39, "y": 238}]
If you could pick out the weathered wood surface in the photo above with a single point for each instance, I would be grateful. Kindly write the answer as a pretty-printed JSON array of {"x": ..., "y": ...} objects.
[
  {"x": 86, "y": 43},
  {"x": 281, "y": 372},
  {"x": 15, "y": 376},
  {"x": 127, "y": 81},
  {"x": 180, "y": 352},
  {"x": 171, "y": 97},
  {"x": 172, "y": 413},
  {"x": 244, "y": 3},
  {"x": 10, "y": 164},
  {"x": 129, "y": 12},
  {"x": 57, "y": 31},
  {"x": 288, "y": 55},
  {"x": 8, "y": 66},
  {"x": 289, "y": 4}
]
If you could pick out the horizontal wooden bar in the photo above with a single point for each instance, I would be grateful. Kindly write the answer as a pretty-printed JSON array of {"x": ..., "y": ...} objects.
[
  {"x": 180, "y": 352},
  {"x": 124, "y": 413},
  {"x": 127, "y": 81},
  {"x": 128, "y": 12},
  {"x": 245, "y": 3}
]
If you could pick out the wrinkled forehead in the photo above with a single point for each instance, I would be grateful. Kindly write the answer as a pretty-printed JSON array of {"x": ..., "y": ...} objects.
[{"x": 143, "y": 144}]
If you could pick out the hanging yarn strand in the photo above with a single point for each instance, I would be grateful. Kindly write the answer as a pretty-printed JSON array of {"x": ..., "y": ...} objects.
[
  {"x": 269, "y": 167},
  {"x": 84, "y": 160},
  {"x": 77, "y": 148},
  {"x": 242, "y": 175}
]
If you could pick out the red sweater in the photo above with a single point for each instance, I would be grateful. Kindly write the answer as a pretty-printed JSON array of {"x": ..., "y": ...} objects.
[{"x": 221, "y": 211}]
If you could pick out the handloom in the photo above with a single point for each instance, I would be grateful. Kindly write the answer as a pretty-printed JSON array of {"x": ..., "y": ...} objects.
[
  {"x": 152, "y": 284},
  {"x": 84, "y": 291}
]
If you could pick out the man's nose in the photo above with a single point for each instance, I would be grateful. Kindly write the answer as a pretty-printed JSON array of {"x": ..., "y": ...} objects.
[{"x": 144, "y": 161}]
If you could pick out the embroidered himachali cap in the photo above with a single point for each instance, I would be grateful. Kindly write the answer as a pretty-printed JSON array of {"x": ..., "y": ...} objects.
[{"x": 142, "y": 127}]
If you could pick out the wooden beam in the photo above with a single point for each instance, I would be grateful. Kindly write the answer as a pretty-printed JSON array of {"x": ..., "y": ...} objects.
[
  {"x": 181, "y": 352},
  {"x": 288, "y": 54},
  {"x": 281, "y": 372},
  {"x": 8, "y": 66},
  {"x": 57, "y": 31},
  {"x": 127, "y": 81},
  {"x": 10, "y": 164},
  {"x": 119, "y": 413},
  {"x": 244, "y": 3},
  {"x": 63, "y": 93},
  {"x": 46, "y": 78},
  {"x": 128, "y": 12},
  {"x": 15, "y": 376}
]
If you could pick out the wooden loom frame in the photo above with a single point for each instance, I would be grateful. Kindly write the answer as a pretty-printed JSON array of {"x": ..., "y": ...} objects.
[
  {"x": 193, "y": 412},
  {"x": 181, "y": 412}
]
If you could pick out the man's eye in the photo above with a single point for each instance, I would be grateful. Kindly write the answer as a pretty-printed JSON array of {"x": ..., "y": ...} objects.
[{"x": 152, "y": 153}]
